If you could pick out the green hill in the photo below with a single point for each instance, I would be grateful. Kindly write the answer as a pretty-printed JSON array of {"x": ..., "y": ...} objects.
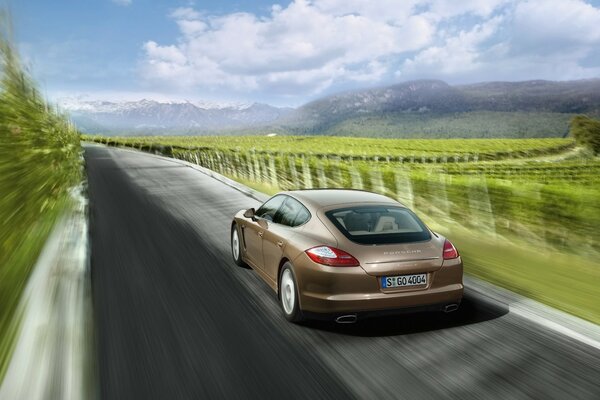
[{"x": 434, "y": 109}]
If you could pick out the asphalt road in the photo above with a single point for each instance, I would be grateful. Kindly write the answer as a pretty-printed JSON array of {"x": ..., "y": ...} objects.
[{"x": 176, "y": 319}]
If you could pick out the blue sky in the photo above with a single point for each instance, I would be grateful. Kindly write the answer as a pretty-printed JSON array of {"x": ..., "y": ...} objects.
[{"x": 286, "y": 53}]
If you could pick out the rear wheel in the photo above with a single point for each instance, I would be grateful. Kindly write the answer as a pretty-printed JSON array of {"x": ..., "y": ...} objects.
[
  {"x": 288, "y": 294},
  {"x": 236, "y": 247}
]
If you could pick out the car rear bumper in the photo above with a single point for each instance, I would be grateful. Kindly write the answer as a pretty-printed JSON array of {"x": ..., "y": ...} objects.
[
  {"x": 363, "y": 302},
  {"x": 336, "y": 290},
  {"x": 386, "y": 312}
]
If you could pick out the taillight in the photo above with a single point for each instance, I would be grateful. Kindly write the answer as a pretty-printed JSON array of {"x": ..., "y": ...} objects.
[
  {"x": 331, "y": 256},
  {"x": 450, "y": 251}
]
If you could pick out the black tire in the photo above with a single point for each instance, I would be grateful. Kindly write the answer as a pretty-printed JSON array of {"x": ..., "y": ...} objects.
[
  {"x": 237, "y": 243},
  {"x": 290, "y": 304}
]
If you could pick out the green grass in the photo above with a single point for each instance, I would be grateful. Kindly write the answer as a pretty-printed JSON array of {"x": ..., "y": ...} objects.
[
  {"x": 39, "y": 162},
  {"x": 565, "y": 281},
  {"x": 258, "y": 186},
  {"x": 354, "y": 147}
]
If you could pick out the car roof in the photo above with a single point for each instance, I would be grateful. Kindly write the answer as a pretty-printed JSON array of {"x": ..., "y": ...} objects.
[{"x": 319, "y": 198}]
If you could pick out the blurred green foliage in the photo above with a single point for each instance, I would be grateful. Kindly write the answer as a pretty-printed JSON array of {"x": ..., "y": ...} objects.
[
  {"x": 40, "y": 160},
  {"x": 586, "y": 132}
]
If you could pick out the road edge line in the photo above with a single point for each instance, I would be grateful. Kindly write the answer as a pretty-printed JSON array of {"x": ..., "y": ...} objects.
[{"x": 534, "y": 311}]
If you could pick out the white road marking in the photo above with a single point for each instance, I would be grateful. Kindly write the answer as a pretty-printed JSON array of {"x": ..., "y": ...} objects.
[
  {"x": 538, "y": 313},
  {"x": 525, "y": 311}
]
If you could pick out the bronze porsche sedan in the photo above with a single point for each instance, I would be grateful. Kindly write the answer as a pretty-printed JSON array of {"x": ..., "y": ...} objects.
[{"x": 344, "y": 254}]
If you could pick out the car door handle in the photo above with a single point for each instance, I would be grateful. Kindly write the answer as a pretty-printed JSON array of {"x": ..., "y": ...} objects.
[
  {"x": 280, "y": 244},
  {"x": 261, "y": 234}
]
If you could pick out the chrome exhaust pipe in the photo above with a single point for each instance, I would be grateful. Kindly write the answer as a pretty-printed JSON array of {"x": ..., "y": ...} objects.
[
  {"x": 450, "y": 308},
  {"x": 346, "y": 319}
]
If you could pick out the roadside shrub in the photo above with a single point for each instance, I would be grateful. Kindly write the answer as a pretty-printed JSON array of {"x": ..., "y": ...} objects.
[{"x": 586, "y": 132}]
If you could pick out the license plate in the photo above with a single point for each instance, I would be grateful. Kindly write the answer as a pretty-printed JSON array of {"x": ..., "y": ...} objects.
[{"x": 403, "y": 281}]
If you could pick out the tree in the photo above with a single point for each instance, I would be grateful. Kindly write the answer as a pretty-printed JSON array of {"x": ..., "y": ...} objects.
[{"x": 586, "y": 132}]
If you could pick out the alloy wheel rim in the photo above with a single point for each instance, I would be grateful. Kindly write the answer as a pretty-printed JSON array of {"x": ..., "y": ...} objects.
[
  {"x": 288, "y": 292},
  {"x": 235, "y": 245}
]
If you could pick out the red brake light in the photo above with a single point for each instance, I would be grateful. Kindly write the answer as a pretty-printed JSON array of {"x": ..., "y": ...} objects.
[
  {"x": 450, "y": 251},
  {"x": 331, "y": 256}
]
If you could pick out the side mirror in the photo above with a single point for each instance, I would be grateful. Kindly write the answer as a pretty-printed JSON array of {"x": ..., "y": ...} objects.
[{"x": 250, "y": 213}]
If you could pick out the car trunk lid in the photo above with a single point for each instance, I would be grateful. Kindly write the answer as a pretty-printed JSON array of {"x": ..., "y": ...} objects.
[{"x": 400, "y": 259}]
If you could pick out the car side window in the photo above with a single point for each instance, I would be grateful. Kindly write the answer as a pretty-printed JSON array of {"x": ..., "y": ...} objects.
[
  {"x": 302, "y": 217},
  {"x": 269, "y": 210},
  {"x": 292, "y": 213}
]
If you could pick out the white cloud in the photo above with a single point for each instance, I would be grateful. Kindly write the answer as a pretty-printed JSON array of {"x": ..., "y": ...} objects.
[
  {"x": 522, "y": 40},
  {"x": 555, "y": 26},
  {"x": 312, "y": 45},
  {"x": 306, "y": 46},
  {"x": 122, "y": 2},
  {"x": 459, "y": 54},
  {"x": 189, "y": 21}
]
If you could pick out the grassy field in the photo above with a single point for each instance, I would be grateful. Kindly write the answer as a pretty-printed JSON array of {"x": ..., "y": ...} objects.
[
  {"x": 417, "y": 150},
  {"x": 524, "y": 212},
  {"x": 39, "y": 162}
]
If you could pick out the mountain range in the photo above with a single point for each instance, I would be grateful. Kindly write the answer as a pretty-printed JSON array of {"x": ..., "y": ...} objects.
[
  {"x": 423, "y": 108},
  {"x": 153, "y": 117}
]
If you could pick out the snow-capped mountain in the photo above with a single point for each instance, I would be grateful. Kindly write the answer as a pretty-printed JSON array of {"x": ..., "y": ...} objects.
[{"x": 151, "y": 116}]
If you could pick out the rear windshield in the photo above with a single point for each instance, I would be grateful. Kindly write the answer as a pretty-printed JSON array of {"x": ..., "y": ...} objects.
[{"x": 379, "y": 225}]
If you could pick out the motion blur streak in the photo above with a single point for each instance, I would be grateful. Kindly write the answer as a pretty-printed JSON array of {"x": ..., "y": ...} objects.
[
  {"x": 175, "y": 318},
  {"x": 53, "y": 354}
]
